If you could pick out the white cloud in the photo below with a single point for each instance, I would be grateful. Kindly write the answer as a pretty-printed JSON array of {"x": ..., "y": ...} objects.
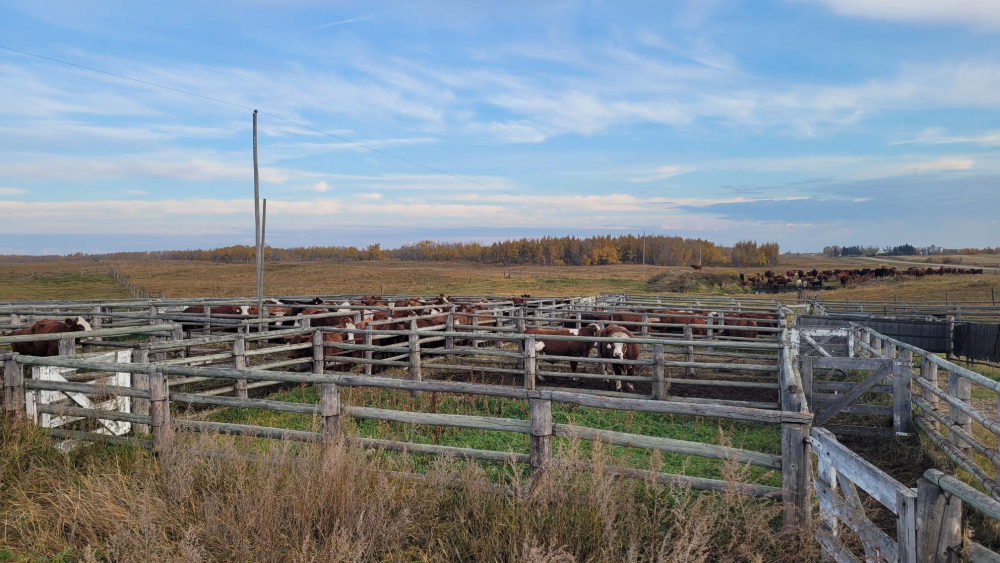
[
  {"x": 136, "y": 192},
  {"x": 372, "y": 195},
  {"x": 12, "y": 191},
  {"x": 979, "y": 14},
  {"x": 938, "y": 136},
  {"x": 662, "y": 173},
  {"x": 319, "y": 187}
]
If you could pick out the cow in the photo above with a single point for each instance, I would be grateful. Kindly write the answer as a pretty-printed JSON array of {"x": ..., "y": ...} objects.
[
  {"x": 46, "y": 347},
  {"x": 696, "y": 266},
  {"x": 619, "y": 351},
  {"x": 679, "y": 318},
  {"x": 333, "y": 337},
  {"x": 575, "y": 349}
]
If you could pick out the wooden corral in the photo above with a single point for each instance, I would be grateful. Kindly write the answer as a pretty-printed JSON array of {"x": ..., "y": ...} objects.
[{"x": 816, "y": 383}]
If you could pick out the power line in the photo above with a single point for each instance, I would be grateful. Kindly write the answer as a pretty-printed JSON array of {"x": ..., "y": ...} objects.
[{"x": 286, "y": 120}]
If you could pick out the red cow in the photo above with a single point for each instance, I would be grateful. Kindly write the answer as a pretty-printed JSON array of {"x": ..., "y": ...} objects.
[{"x": 46, "y": 347}]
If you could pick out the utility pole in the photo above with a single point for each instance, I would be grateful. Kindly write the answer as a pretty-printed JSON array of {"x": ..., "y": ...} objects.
[
  {"x": 256, "y": 212},
  {"x": 644, "y": 255}
]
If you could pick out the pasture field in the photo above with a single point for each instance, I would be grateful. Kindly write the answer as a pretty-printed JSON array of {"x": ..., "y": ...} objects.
[{"x": 81, "y": 280}]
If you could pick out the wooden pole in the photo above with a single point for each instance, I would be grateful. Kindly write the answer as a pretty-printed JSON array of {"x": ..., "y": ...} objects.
[
  {"x": 540, "y": 411},
  {"x": 330, "y": 411},
  {"x": 414, "y": 345},
  {"x": 318, "y": 353},
  {"x": 960, "y": 388},
  {"x": 929, "y": 371},
  {"x": 939, "y": 521},
  {"x": 688, "y": 350},
  {"x": 659, "y": 383},
  {"x": 140, "y": 381},
  {"x": 529, "y": 363},
  {"x": 256, "y": 211},
  {"x": 159, "y": 412},
  {"x": 13, "y": 390},
  {"x": 240, "y": 362}
]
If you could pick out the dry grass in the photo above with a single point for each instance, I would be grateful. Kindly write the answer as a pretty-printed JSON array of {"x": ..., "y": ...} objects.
[
  {"x": 118, "y": 505},
  {"x": 86, "y": 280},
  {"x": 57, "y": 280}
]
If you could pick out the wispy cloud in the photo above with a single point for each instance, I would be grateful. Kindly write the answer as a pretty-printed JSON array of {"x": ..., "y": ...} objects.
[
  {"x": 938, "y": 136},
  {"x": 12, "y": 191},
  {"x": 979, "y": 14},
  {"x": 662, "y": 173},
  {"x": 348, "y": 20}
]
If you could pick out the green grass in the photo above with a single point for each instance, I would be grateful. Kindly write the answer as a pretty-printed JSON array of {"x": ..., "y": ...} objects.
[{"x": 745, "y": 435}]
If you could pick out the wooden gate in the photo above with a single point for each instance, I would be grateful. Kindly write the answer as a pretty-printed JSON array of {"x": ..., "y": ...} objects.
[
  {"x": 840, "y": 473},
  {"x": 43, "y": 406},
  {"x": 830, "y": 397}
]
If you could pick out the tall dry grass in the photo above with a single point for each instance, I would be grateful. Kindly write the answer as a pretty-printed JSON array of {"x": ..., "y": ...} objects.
[{"x": 287, "y": 504}]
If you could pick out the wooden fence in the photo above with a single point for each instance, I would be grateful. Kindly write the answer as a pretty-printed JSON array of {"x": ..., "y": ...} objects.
[{"x": 540, "y": 427}]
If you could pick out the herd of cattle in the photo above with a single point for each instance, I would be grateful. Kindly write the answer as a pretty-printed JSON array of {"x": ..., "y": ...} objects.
[
  {"x": 401, "y": 315},
  {"x": 816, "y": 279}
]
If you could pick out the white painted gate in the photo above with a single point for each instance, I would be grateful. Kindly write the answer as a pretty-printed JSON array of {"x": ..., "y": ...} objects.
[{"x": 52, "y": 373}]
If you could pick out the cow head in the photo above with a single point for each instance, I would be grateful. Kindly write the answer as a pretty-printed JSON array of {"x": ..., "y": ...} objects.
[{"x": 78, "y": 324}]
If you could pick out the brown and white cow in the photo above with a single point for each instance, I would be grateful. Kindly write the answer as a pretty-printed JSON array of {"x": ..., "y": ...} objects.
[
  {"x": 46, "y": 347},
  {"x": 623, "y": 350},
  {"x": 575, "y": 349}
]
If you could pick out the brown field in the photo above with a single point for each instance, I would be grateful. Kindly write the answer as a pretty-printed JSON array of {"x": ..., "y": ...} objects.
[{"x": 89, "y": 280}]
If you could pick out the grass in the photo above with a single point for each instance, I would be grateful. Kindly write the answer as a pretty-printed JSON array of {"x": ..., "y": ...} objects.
[
  {"x": 57, "y": 280},
  {"x": 745, "y": 435},
  {"x": 290, "y": 503},
  {"x": 87, "y": 280}
]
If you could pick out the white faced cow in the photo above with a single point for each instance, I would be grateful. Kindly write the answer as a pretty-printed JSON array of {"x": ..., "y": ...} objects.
[{"x": 623, "y": 350}]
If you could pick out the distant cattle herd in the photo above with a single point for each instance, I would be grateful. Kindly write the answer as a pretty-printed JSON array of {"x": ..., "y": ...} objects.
[{"x": 816, "y": 279}]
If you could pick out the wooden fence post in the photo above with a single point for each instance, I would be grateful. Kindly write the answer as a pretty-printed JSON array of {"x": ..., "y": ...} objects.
[
  {"x": 178, "y": 334},
  {"x": 207, "y": 326},
  {"x": 13, "y": 390},
  {"x": 541, "y": 436},
  {"x": 140, "y": 380},
  {"x": 709, "y": 332},
  {"x": 939, "y": 523},
  {"x": 795, "y": 469},
  {"x": 449, "y": 326},
  {"x": 901, "y": 391},
  {"x": 330, "y": 411},
  {"x": 414, "y": 367},
  {"x": 659, "y": 383},
  {"x": 960, "y": 388},
  {"x": 796, "y": 465},
  {"x": 159, "y": 412},
  {"x": 67, "y": 346},
  {"x": 368, "y": 354},
  {"x": 890, "y": 350},
  {"x": 688, "y": 350},
  {"x": 318, "y": 353},
  {"x": 929, "y": 372},
  {"x": 866, "y": 338},
  {"x": 475, "y": 328},
  {"x": 529, "y": 363},
  {"x": 240, "y": 362},
  {"x": 644, "y": 330}
]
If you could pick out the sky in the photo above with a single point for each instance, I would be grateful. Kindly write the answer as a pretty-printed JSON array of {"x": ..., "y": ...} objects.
[{"x": 806, "y": 122}]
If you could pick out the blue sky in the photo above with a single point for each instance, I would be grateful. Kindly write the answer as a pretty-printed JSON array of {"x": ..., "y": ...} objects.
[{"x": 809, "y": 122}]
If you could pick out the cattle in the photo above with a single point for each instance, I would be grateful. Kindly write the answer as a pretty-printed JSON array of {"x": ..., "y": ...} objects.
[
  {"x": 680, "y": 318},
  {"x": 46, "y": 347},
  {"x": 575, "y": 349},
  {"x": 619, "y": 351},
  {"x": 736, "y": 320},
  {"x": 696, "y": 266},
  {"x": 332, "y": 337}
]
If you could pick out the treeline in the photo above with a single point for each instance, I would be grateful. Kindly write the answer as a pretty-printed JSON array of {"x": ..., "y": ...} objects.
[
  {"x": 904, "y": 250},
  {"x": 856, "y": 250},
  {"x": 554, "y": 251}
]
